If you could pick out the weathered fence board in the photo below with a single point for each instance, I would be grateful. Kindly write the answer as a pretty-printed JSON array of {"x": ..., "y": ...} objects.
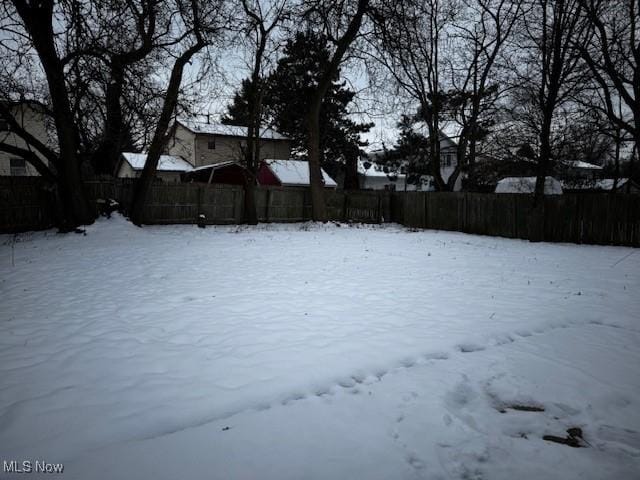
[{"x": 579, "y": 218}]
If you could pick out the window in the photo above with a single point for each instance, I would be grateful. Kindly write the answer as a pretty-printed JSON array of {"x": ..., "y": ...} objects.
[
  {"x": 18, "y": 167},
  {"x": 211, "y": 144},
  {"x": 449, "y": 159},
  {"x": 4, "y": 126}
]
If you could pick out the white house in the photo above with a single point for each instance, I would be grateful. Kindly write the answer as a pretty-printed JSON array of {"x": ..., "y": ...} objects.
[
  {"x": 373, "y": 177},
  {"x": 31, "y": 118},
  {"x": 170, "y": 167},
  {"x": 449, "y": 136},
  {"x": 209, "y": 143}
]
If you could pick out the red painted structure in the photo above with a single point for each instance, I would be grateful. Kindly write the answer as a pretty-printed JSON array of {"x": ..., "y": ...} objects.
[
  {"x": 229, "y": 173},
  {"x": 267, "y": 177}
]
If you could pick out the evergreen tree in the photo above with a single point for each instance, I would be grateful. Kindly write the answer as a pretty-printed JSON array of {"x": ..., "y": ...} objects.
[
  {"x": 286, "y": 105},
  {"x": 238, "y": 110}
]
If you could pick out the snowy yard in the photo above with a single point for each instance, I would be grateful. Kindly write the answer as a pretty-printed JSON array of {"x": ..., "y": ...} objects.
[{"x": 306, "y": 351}]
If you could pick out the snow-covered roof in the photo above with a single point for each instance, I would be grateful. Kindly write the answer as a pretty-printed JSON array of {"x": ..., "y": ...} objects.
[
  {"x": 214, "y": 128},
  {"x": 374, "y": 170},
  {"x": 581, "y": 164},
  {"x": 528, "y": 185},
  {"x": 605, "y": 184},
  {"x": 295, "y": 172},
  {"x": 167, "y": 163},
  {"x": 216, "y": 166}
]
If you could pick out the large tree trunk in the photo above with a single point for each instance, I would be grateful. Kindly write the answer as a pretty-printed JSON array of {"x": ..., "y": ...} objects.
[
  {"x": 543, "y": 160},
  {"x": 106, "y": 155},
  {"x": 75, "y": 205},
  {"x": 351, "y": 173},
  {"x": 434, "y": 150},
  {"x": 250, "y": 212},
  {"x": 318, "y": 205},
  {"x": 319, "y": 208},
  {"x": 143, "y": 186}
]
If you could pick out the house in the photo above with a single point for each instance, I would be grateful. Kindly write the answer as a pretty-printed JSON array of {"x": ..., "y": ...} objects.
[
  {"x": 208, "y": 143},
  {"x": 373, "y": 176},
  {"x": 578, "y": 169},
  {"x": 528, "y": 185},
  {"x": 170, "y": 168},
  {"x": 33, "y": 119},
  {"x": 449, "y": 136},
  {"x": 289, "y": 173}
]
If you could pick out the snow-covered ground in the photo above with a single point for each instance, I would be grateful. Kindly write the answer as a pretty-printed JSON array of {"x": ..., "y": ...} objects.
[{"x": 306, "y": 351}]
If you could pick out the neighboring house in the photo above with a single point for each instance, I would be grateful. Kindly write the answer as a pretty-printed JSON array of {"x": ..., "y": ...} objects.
[
  {"x": 204, "y": 143},
  {"x": 33, "y": 120},
  {"x": 170, "y": 168},
  {"x": 577, "y": 169},
  {"x": 449, "y": 136},
  {"x": 372, "y": 176},
  {"x": 528, "y": 185},
  {"x": 289, "y": 173}
]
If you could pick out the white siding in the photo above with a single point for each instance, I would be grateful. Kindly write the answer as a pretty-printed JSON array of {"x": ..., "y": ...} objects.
[{"x": 34, "y": 123}]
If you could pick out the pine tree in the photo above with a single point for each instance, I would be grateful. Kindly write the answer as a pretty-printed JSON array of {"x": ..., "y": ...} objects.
[{"x": 286, "y": 105}]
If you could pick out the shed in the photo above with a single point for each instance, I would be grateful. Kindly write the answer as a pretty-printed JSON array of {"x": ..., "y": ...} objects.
[
  {"x": 289, "y": 173},
  {"x": 169, "y": 168},
  {"x": 230, "y": 173}
]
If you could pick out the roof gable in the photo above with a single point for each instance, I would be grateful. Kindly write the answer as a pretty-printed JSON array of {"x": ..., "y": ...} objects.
[
  {"x": 167, "y": 163},
  {"x": 221, "y": 129},
  {"x": 295, "y": 172}
]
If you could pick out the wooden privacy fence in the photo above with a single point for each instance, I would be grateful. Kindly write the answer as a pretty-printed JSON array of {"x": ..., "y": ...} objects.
[
  {"x": 26, "y": 204},
  {"x": 578, "y": 218}
]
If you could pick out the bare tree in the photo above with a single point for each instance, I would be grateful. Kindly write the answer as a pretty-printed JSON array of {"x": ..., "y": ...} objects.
[
  {"x": 479, "y": 38},
  {"x": 552, "y": 69},
  {"x": 613, "y": 55},
  {"x": 261, "y": 19},
  {"x": 37, "y": 25},
  {"x": 93, "y": 69},
  {"x": 408, "y": 40},
  {"x": 341, "y": 24},
  {"x": 199, "y": 22}
]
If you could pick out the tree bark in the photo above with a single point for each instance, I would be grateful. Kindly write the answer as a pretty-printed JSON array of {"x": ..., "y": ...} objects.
[
  {"x": 38, "y": 21},
  {"x": 319, "y": 207},
  {"x": 143, "y": 186}
]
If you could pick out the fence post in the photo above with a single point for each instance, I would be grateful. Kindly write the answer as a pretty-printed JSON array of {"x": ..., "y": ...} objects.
[
  {"x": 199, "y": 205},
  {"x": 536, "y": 223}
]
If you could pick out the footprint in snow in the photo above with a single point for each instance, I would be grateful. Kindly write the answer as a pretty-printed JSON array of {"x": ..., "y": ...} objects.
[{"x": 470, "y": 347}]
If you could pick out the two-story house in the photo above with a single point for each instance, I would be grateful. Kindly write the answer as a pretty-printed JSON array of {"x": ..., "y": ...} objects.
[
  {"x": 202, "y": 149},
  {"x": 205, "y": 143},
  {"x": 32, "y": 119}
]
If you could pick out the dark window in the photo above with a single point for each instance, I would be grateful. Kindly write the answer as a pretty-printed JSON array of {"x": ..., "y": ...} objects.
[
  {"x": 212, "y": 144},
  {"x": 18, "y": 167},
  {"x": 4, "y": 126},
  {"x": 448, "y": 159}
]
